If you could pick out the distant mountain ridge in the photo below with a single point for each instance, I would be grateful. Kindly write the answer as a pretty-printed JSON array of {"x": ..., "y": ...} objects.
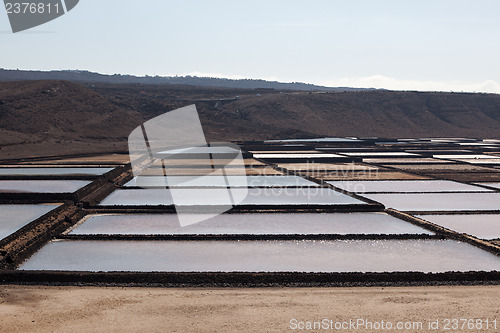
[{"x": 87, "y": 76}]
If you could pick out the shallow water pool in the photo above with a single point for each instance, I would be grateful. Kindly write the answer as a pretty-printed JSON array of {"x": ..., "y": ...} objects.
[
  {"x": 409, "y": 186},
  {"x": 495, "y": 185},
  {"x": 212, "y": 181},
  {"x": 54, "y": 171},
  {"x": 263, "y": 256},
  {"x": 42, "y": 186},
  {"x": 14, "y": 217},
  {"x": 485, "y": 226},
  {"x": 439, "y": 201},
  {"x": 253, "y": 224},
  {"x": 214, "y": 196}
]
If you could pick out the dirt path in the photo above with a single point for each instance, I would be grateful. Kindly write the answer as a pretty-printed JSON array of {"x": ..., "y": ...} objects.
[{"x": 91, "y": 309}]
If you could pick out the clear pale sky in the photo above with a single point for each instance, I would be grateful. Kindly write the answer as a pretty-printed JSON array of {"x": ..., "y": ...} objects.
[{"x": 395, "y": 44}]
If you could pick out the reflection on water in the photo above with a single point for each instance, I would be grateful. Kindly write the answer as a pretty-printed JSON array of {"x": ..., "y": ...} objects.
[
  {"x": 14, "y": 217},
  {"x": 42, "y": 186},
  {"x": 485, "y": 226},
  {"x": 212, "y": 196},
  {"x": 405, "y": 186},
  {"x": 495, "y": 185},
  {"x": 53, "y": 171},
  {"x": 263, "y": 256},
  {"x": 235, "y": 181},
  {"x": 253, "y": 224},
  {"x": 439, "y": 201}
]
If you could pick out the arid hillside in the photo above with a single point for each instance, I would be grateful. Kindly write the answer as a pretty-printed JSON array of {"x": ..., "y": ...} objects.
[
  {"x": 372, "y": 113},
  {"x": 52, "y": 117},
  {"x": 272, "y": 114},
  {"x": 61, "y": 117}
]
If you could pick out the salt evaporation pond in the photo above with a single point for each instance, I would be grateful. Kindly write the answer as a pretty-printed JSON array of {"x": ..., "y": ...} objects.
[
  {"x": 214, "y": 181},
  {"x": 253, "y": 224},
  {"x": 405, "y": 186},
  {"x": 14, "y": 217},
  {"x": 439, "y": 201},
  {"x": 42, "y": 186},
  {"x": 56, "y": 171},
  {"x": 214, "y": 196},
  {"x": 263, "y": 256},
  {"x": 485, "y": 226},
  {"x": 495, "y": 185}
]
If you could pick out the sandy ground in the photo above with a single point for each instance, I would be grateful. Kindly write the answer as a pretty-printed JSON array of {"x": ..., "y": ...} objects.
[{"x": 92, "y": 309}]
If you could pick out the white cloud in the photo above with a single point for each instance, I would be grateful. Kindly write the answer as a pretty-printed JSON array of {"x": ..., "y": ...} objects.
[{"x": 380, "y": 81}]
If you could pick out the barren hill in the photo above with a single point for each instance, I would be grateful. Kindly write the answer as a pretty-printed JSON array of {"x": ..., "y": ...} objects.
[
  {"x": 60, "y": 117},
  {"x": 269, "y": 114},
  {"x": 373, "y": 113}
]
